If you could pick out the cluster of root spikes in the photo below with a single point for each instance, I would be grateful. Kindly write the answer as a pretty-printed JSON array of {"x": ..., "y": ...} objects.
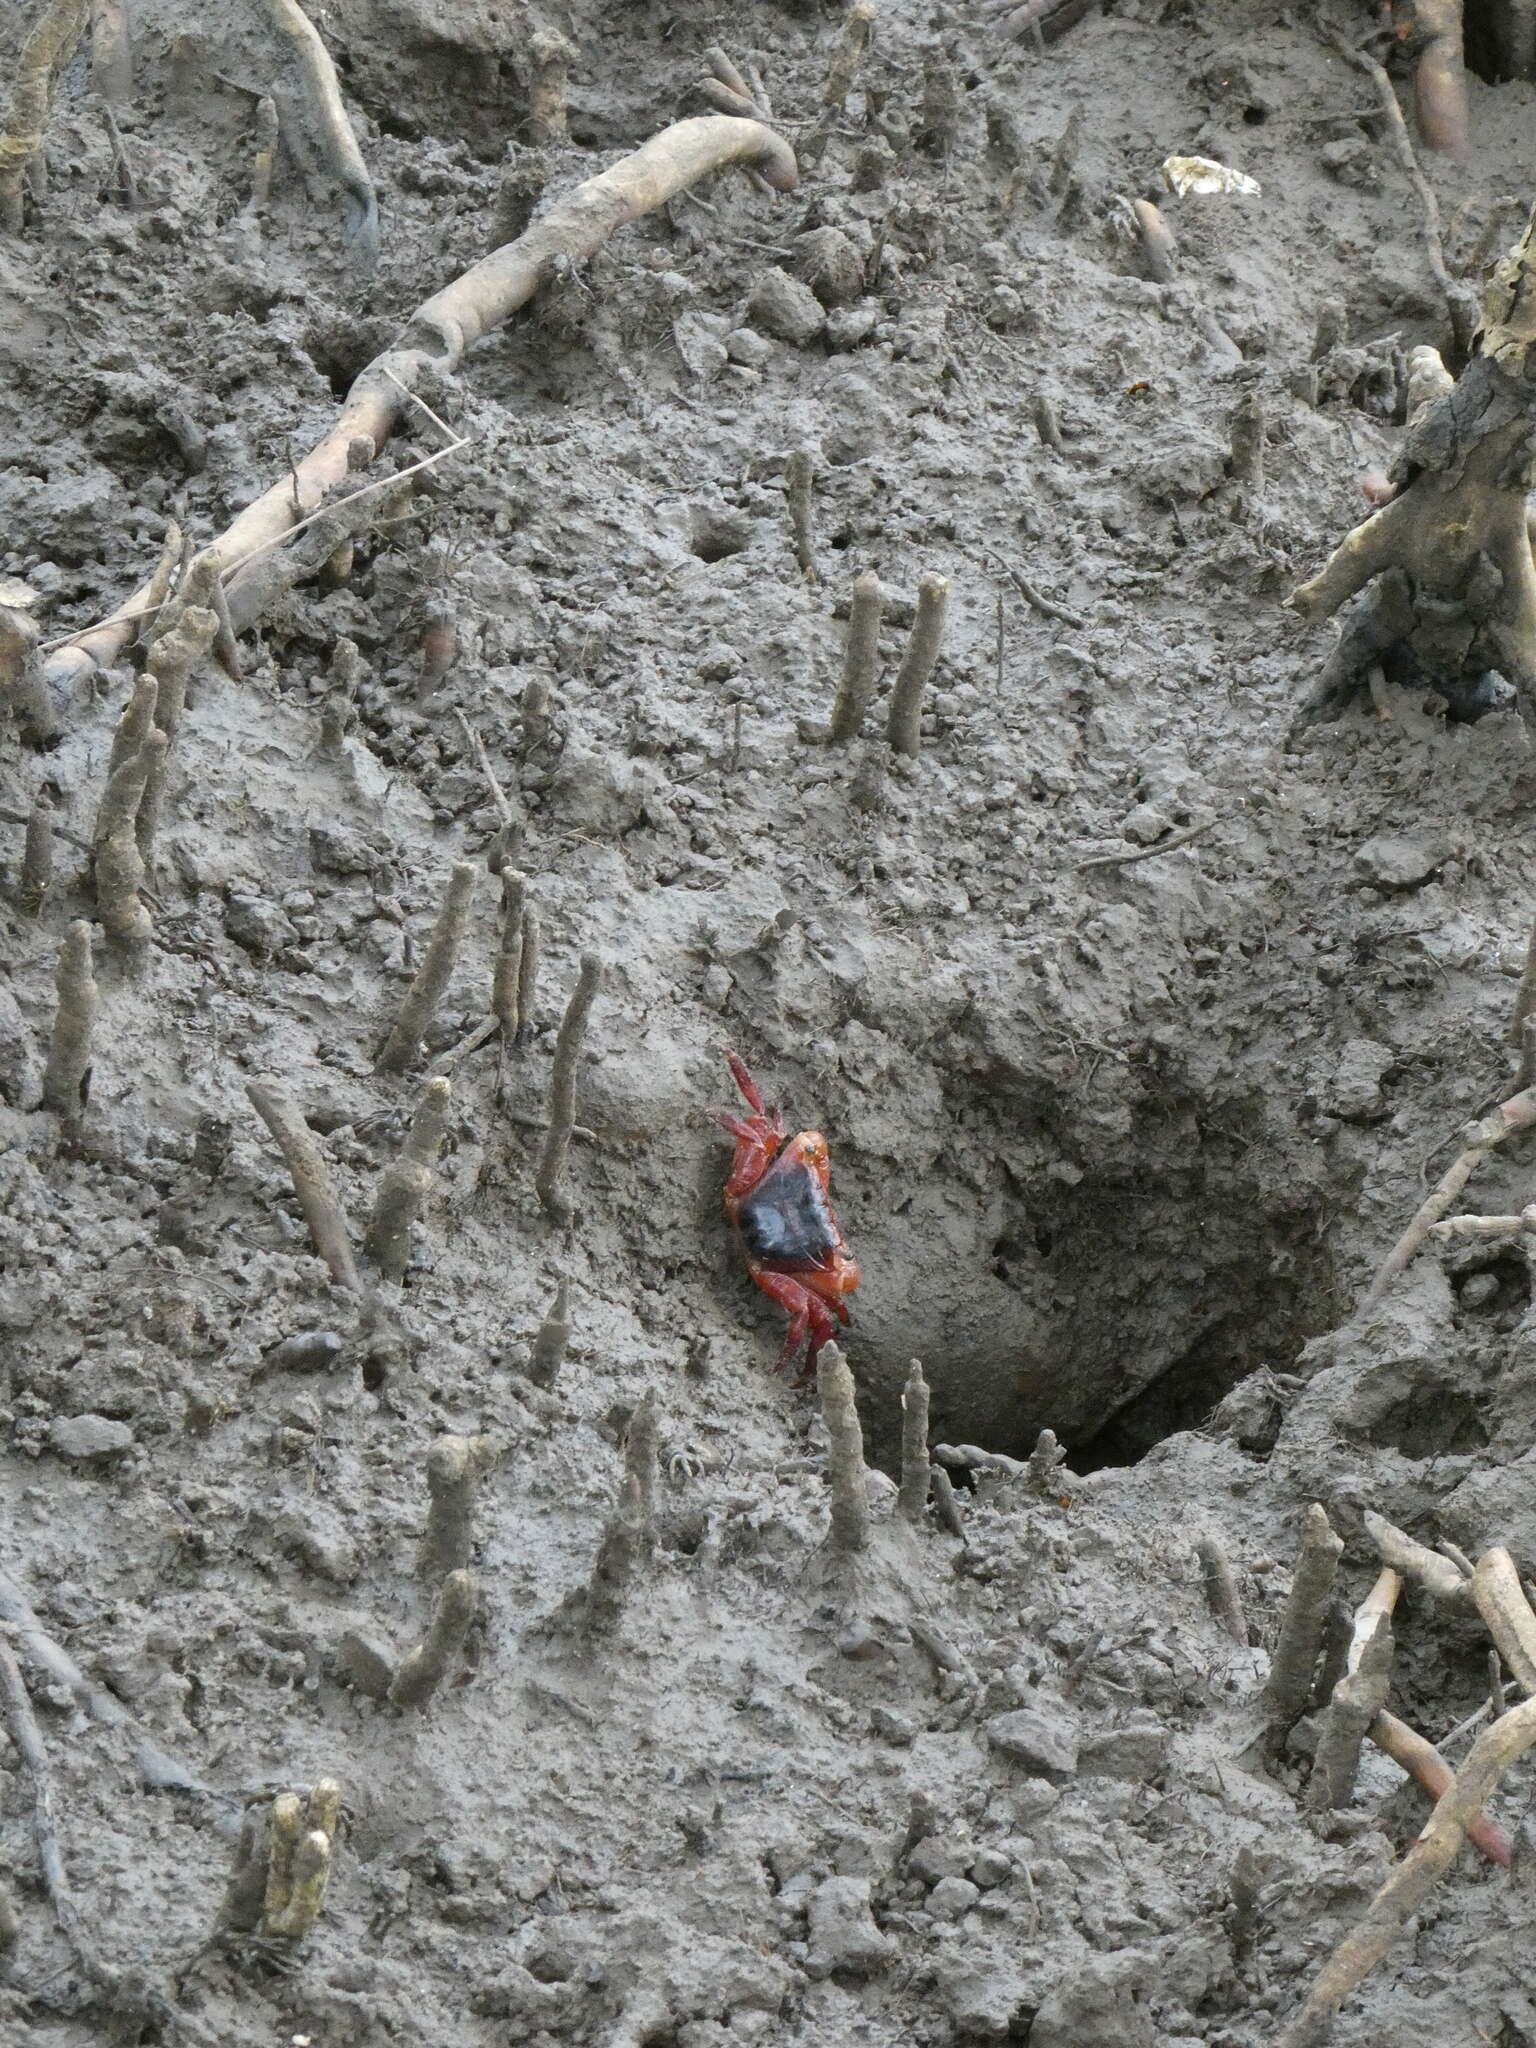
[{"x": 1446, "y": 596}]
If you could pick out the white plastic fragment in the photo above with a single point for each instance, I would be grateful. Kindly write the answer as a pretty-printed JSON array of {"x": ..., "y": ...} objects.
[{"x": 1186, "y": 174}]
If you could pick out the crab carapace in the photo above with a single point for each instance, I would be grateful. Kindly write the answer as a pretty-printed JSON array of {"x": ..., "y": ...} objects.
[{"x": 777, "y": 1196}]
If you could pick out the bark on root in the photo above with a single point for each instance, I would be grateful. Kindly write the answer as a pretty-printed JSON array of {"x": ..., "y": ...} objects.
[{"x": 1446, "y": 567}]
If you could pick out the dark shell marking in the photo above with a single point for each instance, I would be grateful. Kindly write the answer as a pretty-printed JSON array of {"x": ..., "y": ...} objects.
[{"x": 786, "y": 1215}]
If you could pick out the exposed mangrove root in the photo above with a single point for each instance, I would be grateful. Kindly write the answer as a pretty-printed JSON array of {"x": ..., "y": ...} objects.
[
  {"x": 1422, "y": 1761},
  {"x": 1440, "y": 76},
  {"x": 1221, "y": 1594},
  {"x": 799, "y": 477},
  {"x": 562, "y": 1084},
  {"x": 1452, "y": 602},
  {"x": 904, "y": 725},
  {"x": 311, "y": 1180},
  {"x": 36, "y": 858},
  {"x": 912, "y": 1496},
  {"x": 629, "y": 1535},
  {"x": 1158, "y": 247},
  {"x": 263, "y": 158},
  {"x": 439, "y": 644},
  {"x": 1289, "y": 1685},
  {"x": 1356, "y": 1699},
  {"x": 423, "y": 1669},
  {"x": 23, "y": 691},
  {"x": 48, "y": 48},
  {"x": 28, "y": 1741},
  {"x": 67, "y": 1081},
  {"x": 405, "y": 1186},
  {"x": 1497, "y": 1595},
  {"x": 111, "y": 53},
  {"x": 946, "y": 1503},
  {"x": 529, "y": 960},
  {"x": 1046, "y": 1468},
  {"x": 554, "y": 1333},
  {"x": 1245, "y": 465},
  {"x": 133, "y": 728},
  {"x": 849, "y": 1530},
  {"x": 1478, "y": 1140},
  {"x": 551, "y": 54},
  {"x": 861, "y": 658},
  {"x": 455, "y": 1467},
  {"x": 175, "y": 654},
  {"x": 339, "y": 142},
  {"x": 506, "y": 976},
  {"x": 438, "y": 334},
  {"x": 841, "y": 72},
  {"x": 402, "y": 1048},
  {"x": 117, "y": 865},
  {"x": 1427, "y": 1568},
  {"x": 282, "y": 1865},
  {"x": 1415, "y": 1876},
  {"x": 159, "y": 1771}
]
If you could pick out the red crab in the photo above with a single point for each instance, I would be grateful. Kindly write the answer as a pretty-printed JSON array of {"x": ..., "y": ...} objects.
[{"x": 777, "y": 1198}]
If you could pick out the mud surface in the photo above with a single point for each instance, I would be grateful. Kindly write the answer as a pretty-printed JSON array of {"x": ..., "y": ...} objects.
[{"x": 1118, "y": 1146}]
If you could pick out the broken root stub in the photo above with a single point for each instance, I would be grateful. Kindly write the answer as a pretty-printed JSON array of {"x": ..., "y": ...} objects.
[
  {"x": 562, "y": 1085},
  {"x": 912, "y": 1497},
  {"x": 1289, "y": 1687},
  {"x": 1452, "y": 599},
  {"x": 554, "y": 1333},
  {"x": 849, "y": 1531},
  {"x": 904, "y": 725},
  {"x": 402, "y": 1048},
  {"x": 455, "y": 1467},
  {"x": 283, "y": 1864},
  {"x": 406, "y": 1185},
  {"x": 861, "y": 658},
  {"x": 22, "y": 687},
  {"x": 66, "y": 1084}
]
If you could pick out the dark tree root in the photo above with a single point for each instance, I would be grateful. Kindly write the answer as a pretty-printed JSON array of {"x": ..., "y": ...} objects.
[{"x": 1452, "y": 599}]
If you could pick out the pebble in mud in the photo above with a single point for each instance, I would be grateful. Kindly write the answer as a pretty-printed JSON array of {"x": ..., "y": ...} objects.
[
  {"x": 1042, "y": 1738},
  {"x": 785, "y": 308},
  {"x": 843, "y": 1934},
  {"x": 89, "y": 1439}
]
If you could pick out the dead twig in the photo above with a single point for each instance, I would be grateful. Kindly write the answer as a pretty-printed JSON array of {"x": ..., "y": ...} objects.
[
  {"x": 22, "y": 1723},
  {"x": 1169, "y": 845}
]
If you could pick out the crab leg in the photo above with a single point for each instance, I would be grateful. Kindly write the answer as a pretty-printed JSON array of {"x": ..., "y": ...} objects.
[{"x": 752, "y": 1095}]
